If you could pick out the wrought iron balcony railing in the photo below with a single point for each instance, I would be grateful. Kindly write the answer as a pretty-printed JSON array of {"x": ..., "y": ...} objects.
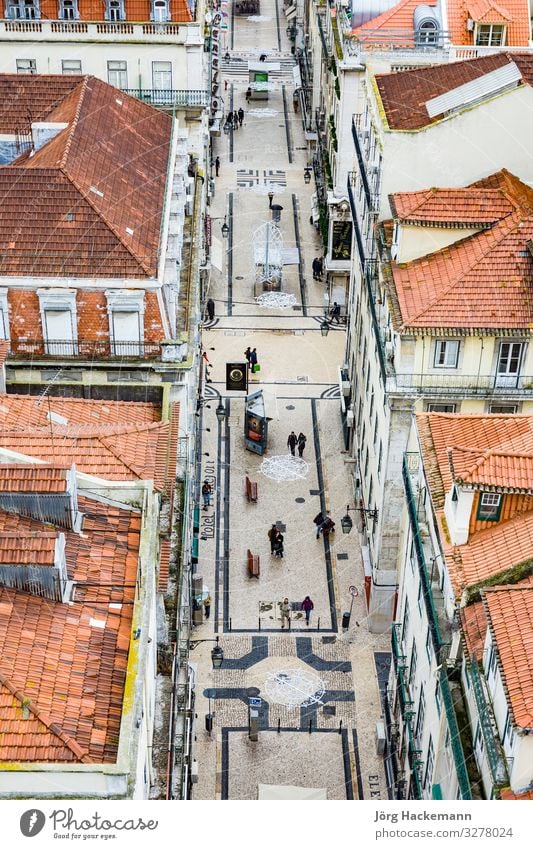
[
  {"x": 495, "y": 756},
  {"x": 170, "y": 97},
  {"x": 36, "y": 349},
  {"x": 459, "y": 385}
]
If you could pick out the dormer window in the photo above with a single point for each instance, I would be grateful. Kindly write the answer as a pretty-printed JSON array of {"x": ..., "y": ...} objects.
[
  {"x": 426, "y": 25},
  {"x": 160, "y": 12},
  {"x": 27, "y": 10},
  {"x": 68, "y": 10},
  {"x": 428, "y": 33},
  {"x": 490, "y": 506},
  {"x": 490, "y": 35},
  {"x": 114, "y": 10}
]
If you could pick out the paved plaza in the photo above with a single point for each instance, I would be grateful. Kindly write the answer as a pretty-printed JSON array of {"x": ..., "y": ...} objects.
[{"x": 319, "y": 686}]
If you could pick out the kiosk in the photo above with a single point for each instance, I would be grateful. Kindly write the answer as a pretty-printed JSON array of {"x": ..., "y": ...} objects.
[
  {"x": 255, "y": 423},
  {"x": 258, "y": 77}
]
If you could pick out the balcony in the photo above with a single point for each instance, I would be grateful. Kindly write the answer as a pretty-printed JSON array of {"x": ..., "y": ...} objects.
[
  {"x": 61, "y": 349},
  {"x": 100, "y": 31},
  {"x": 171, "y": 98},
  {"x": 459, "y": 385},
  {"x": 495, "y": 756}
]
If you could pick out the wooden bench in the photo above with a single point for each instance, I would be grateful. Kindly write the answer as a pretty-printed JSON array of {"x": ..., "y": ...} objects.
[
  {"x": 251, "y": 490},
  {"x": 253, "y": 564}
]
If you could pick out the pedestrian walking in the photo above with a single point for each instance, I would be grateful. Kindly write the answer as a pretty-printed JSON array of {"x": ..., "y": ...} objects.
[
  {"x": 235, "y": 120},
  {"x": 307, "y": 607},
  {"x": 206, "y": 494},
  {"x": 327, "y": 527},
  {"x": 272, "y": 536},
  {"x": 320, "y": 267},
  {"x": 248, "y": 354},
  {"x": 207, "y": 606},
  {"x": 278, "y": 545},
  {"x": 316, "y": 268},
  {"x": 248, "y": 94},
  {"x": 285, "y": 611},
  {"x": 217, "y": 166},
  {"x": 210, "y": 309},
  {"x": 335, "y": 313},
  {"x": 319, "y": 518},
  {"x": 241, "y": 116},
  {"x": 292, "y": 442},
  {"x": 253, "y": 360},
  {"x": 302, "y": 439}
]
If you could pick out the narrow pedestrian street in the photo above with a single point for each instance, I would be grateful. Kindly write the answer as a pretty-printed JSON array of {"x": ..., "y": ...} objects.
[{"x": 319, "y": 686}]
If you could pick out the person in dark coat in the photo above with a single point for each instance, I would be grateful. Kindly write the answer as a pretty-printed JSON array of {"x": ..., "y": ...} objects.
[
  {"x": 248, "y": 354},
  {"x": 319, "y": 518},
  {"x": 241, "y": 116},
  {"x": 307, "y": 607},
  {"x": 302, "y": 439},
  {"x": 336, "y": 312},
  {"x": 316, "y": 268},
  {"x": 235, "y": 120},
  {"x": 210, "y": 309},
  {"x": 217, "y": 165},
  {"x": 272, "y": 536},
  {"x": 327, "y": 527},
  {"x": 248, "y": 94},
  {"x": 278, "y": 545},
  {"x": 292, "y": 442},
  {"x": 253, "y": 359}
]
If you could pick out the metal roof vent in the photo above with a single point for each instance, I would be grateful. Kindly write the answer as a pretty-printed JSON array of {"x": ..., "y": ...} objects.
[
  {"x": 47, "y": 493},
  {"x": 36, "y": 564}
]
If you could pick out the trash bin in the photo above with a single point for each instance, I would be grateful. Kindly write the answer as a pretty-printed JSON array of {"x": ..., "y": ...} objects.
[
  {"x": 209, "y": 722},
  {"x": 345, "y": 621},
  {"x": 276, "y": 212}
]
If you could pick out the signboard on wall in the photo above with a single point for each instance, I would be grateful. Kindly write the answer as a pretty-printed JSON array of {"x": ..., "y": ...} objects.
[{"x": 236, "y": 377}]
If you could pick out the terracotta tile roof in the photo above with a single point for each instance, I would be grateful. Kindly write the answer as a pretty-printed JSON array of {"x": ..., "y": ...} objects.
[
  {"x": 112, "y": 452},
  {"x": 474, "y": 628},
  {"x": 27, "y": 411},
  {"x": 135, "y": 10},
  {"x": 28, "y": 549},
  {"x": 492, "y": 469},
  {"x": 4, "y": 351},
  {"x": 21, "y": 103},
  {"x": 164, "y": 566},
  {"x": 63, "y": 666},
  {"x": 510, "y": 616},
  {"x": 513, "y": 13},
  {"x": 107, "y": 169},
  {"x": 463, "y": 207},
  {"x": 404, "y": 95},
  {"x": 509, "y": 795},
  {"x": 491, "y": 551},
  {"x": 23, "y": 477},
  {"x": 399, "y": 18},
  {"x": 482, "y": 281}
]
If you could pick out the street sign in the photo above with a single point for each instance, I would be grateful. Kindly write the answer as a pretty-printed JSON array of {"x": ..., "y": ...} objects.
[
  {"x": 254, "y": 702},
  {"x": 354, "y": 592}
]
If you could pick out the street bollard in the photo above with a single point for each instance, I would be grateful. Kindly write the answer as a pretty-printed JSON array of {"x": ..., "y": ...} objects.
[
  {"x": 279, "y": 725},
  {"x": 318, "y": 626},
  {"x": 310, "y": 725},
  {"x": 340, "y": 727},
  {"x": 259, "y": 623}
]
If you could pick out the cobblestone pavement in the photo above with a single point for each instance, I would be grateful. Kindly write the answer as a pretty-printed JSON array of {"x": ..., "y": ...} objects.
[{"x": 318, "y": 686}]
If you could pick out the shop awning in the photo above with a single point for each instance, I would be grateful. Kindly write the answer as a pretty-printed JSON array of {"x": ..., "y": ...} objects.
[{"x": 290, "y": 12}]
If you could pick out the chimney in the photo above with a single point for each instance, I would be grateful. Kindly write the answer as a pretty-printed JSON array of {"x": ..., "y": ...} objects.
[
  {"x": 457, "y": 509},
  {"x": 46, "y": 492},
  {"x": 35, "y": 563}
]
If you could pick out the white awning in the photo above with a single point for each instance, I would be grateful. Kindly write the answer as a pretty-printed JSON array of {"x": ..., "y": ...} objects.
[
  {"x": 266, "y": 67},
  {"x": 290, "y": 12},
  {"x": 290, "y": 791}
]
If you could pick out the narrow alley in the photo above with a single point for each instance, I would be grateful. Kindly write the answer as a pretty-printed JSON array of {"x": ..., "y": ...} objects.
[{"x": 315, "y": 686}]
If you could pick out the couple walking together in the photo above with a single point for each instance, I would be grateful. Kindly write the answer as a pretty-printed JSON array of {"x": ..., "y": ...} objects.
[{"x": 294, "y": 442}]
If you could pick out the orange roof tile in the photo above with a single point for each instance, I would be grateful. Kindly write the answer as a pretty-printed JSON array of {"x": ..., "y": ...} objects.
[
  {"x": 492, "y": 469},
  {"x": 509, "y": 795},
  {"x": 510, "y": 616},
  {"x": 36, "y": 549},
  {"x": 107, "y": 169},
  {"x": 4, "y": 351},
  {"x": 399, "y": 18},
  {"x": 513, "y": 13},
  {"x": 474, "y": 628},
  {"x": 55, "y": 663},
  {"x": 135, "y": 10},
  {"x": 404, "y": 95},
  {"x": 461, "y": 207},
  {"x": 23, "y": 477},
  {"x": 504, "y": 544},
  {"x": 482, "y": 281},
  {"x": 27, "y": 411}
]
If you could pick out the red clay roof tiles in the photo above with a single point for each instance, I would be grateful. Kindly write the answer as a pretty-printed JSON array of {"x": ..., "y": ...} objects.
[
  {"x": 482, "y": 281},
  {"x": 513, "y": 13},
  {"x": 510, "y": 616},
  {"x": 21, "y": 477},
  {"x": 404, "y": 95},
  {"x": 497, "y": 470},
  {"x": 26, "y": 411},
  {"x": 37, "y": 549},
  {"x": 107, "y": 168},
  {"x": 458, "y": 206}
]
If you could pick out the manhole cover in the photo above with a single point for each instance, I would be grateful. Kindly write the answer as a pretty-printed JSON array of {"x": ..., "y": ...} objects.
[
  {"x": 239, "y": 277},
  {"x": 290, "y": 407},
  {"x": 294, "y": 687},
  {"x": 300, "y": 500}
]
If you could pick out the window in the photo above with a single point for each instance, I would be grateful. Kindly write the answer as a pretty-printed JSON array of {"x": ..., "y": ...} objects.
[
  {"x": 492, "y": 661},
  {"x": 371, "y": 405},
  {"x": 371, "y": 493},
  {"x": 366, "y": 463},
  {"x": 503, "y": 409},
  {"x": 428, "y": 646},
  {"x": 419, "y": 598},
  {"x": 68, "y": 10},
  {"x": 412, "y": 668},
  {"x": 490, "y": 35},
  {"x": 438, "y": 697},
  {"x": 509, "y": 360},
  {"x": 405, "y": 625},
  {"x": 162, "y": 76},
  {"x": 421, "y": 715},
  {"x": 4, "y": 315},
  {"x": 489, "y": 507},
  {"x": 368, "y": 381},
  {"x": 115, "y": 12},
  {"x": 126, "y": 322},
  {"x": 479, "y": 742},
  {"x": 446, "y": 353},
  {"x": 26, "y": 66},
  {"x": 380, "y": 456},
  {"x": 117, "y": 74},
  {"x": 430, "y": 764},
  {"x": 427, "y": 33},
  {"x": 58, "y": 321},
  {"x": 441, "y": 408},
  {"x": 160, "y": 11},
  {"x": 359, "y": 414},
  {"x": 376, "y": 429},
  {"x": 23, "y": 10},
  {"x": 71, "y": 66}
]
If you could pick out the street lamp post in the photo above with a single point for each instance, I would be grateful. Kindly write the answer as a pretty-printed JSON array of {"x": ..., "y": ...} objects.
[{"x": 346, "y": 521}]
